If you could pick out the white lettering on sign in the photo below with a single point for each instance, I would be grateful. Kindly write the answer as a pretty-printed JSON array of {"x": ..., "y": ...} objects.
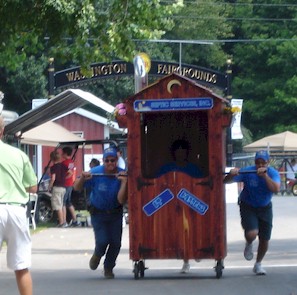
[
  {"x": 160, "y": 104},
  {"x": 192, "y": 201},
  {"x": 157, "y": 203},
  {"x": 180, "y": 104}
]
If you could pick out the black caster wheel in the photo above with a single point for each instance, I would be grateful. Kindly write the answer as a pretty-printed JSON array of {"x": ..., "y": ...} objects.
[
  {"x": 136, "y": 270},
  {"x": 141, "y": 268},
  {"x": 219, "y": 269}
]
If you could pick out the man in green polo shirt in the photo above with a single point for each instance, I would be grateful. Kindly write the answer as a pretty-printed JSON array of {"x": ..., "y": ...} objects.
[{"x": 17, "y": 180}]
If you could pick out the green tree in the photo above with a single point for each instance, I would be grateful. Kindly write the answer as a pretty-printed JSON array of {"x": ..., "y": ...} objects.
[
  {"x": 76, "y": 32},
  {"x": 28, "y": 81},
  {"x": 200, "y": 21},
  {"x": 79, "y": 30},
  {"x": 264, "y": 67}
]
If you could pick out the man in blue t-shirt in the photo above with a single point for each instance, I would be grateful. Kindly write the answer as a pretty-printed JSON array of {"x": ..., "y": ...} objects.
[
  {"x": 108, "y": 185},
  {"x": 180, "y": 150},
  {"x": 180, "y": 155},
  {"x": 260, "y": 183}
]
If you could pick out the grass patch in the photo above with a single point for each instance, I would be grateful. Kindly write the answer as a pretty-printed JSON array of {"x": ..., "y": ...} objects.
[{"x": 43, "y": 226}]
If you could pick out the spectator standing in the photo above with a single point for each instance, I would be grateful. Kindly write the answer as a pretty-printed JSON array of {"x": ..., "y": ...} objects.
[
  {"x": 67, "y": 204},
  {"x": 94, "y": 162},
  {"x": 109, "y": 194},
  {"x": 56, "y": 186},
  {"x": 291, "y": 170},
  {"x": 121, "y": 161},
  {"x": 17, "y": 180}
]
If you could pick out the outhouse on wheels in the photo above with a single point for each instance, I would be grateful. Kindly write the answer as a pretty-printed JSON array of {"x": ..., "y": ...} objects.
[{"x": 175, "y": 214}]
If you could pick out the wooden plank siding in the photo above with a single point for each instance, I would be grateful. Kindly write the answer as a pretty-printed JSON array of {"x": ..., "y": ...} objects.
[{"x": 176, "y": 231}]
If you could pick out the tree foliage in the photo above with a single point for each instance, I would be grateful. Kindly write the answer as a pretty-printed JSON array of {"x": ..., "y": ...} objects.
[
  {"x": 265, "y": 65},
  {"x": 26, "y": 83},
  {"x": 259, "y": 36},
  {"x": 78, "y": 30},
  {"x": 197, "y": 22}
]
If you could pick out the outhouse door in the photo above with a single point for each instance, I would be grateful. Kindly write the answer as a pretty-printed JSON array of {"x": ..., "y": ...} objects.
[{"x": 175, "y": 210}]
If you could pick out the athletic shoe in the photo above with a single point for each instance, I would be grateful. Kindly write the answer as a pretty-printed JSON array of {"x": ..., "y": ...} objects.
[
  {"x": 63, "y": 225},
  {"x": 94, "y": 262},
  {"x": 75, "y": 223},
  {"x": 259, "y": 270},
  {"x": 108, "y": 274},
  {"x": 248, "y": 251},
  {"x": 185, "y": 268}
]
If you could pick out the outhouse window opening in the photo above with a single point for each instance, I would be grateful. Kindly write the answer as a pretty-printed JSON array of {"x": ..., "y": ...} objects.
[{"x": 161, "y": 132}]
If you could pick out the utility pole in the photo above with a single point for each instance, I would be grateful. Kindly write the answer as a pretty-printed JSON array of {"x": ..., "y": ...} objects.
[
  {"x": 1, "y": 98},
  {"x": 51, "y": 78},
  {"x": 142, "y": 65},
  {"x": 229, "y": 144}
]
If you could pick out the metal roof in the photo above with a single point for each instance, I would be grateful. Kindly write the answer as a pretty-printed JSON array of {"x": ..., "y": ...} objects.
[{"x": 54, "y": 107}]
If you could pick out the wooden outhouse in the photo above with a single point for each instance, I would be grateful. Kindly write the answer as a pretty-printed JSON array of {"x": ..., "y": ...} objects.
[{"x": 175, "y": 215}]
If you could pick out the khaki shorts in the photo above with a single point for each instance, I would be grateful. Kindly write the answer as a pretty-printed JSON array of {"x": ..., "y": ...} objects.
[{"x": 58, "y": 193}]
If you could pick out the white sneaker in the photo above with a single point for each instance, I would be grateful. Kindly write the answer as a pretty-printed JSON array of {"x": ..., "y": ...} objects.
[
  {"x": 259, "y": 270},
  {"x": 248, "y": 251},
  {"x": 185, "y": 268}
]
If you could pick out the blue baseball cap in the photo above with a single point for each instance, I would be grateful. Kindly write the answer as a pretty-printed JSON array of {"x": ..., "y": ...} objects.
[
  {"x": 263, "y": 154},
  {"x": 110, "y": 152}
]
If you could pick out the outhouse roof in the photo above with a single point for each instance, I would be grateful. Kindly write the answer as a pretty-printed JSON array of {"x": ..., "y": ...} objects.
[{"x": 171, "y": 83}]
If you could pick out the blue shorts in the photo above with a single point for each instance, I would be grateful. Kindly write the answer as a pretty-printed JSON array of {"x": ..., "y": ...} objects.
[
  {"x": 257, "y": 219},
  {"x": 67, "y": 197}
]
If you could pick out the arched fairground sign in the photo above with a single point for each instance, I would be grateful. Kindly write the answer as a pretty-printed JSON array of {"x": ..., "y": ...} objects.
[{"x": 73, "y": 77}]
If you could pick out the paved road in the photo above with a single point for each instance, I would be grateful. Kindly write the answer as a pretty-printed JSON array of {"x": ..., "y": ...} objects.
[{"x": 60, "y": 264}]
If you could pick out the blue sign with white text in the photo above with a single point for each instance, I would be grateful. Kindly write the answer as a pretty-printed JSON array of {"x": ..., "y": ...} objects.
[
  {"x": 158, "y": 202},
  {"x": 192, "y": 201},
  {"x": 153, "y": 105}
]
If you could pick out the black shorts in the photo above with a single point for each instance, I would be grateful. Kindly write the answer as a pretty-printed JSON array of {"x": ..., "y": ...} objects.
[{"x": 257, "y": 219}]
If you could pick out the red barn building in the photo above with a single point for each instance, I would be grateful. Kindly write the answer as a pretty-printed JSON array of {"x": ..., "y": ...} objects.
[{"x": 89, "y": 126}]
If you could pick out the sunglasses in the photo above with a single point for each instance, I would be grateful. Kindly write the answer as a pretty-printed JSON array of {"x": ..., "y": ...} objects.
[
  {"x": 109, "y": 160},
  {"x": 260, "y": 162}
]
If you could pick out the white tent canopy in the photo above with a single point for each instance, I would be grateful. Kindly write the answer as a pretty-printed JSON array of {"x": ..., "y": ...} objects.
[
  {"x": 280, "y": 142},
  {"x": 48, "y": 134}
]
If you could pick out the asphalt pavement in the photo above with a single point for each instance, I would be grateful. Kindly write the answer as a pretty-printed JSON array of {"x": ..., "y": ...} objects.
[{"x": 61, "y": 256}]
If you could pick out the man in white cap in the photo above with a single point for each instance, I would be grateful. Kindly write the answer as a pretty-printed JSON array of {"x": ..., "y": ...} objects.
[{"x": 260, "y": 183}]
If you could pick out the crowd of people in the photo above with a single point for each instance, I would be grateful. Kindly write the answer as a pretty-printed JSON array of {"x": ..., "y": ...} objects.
[
  {"x": 109, "y": 194},
  {"x": 107, "y": 184},
  {"x": 62, "y": 177}
]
